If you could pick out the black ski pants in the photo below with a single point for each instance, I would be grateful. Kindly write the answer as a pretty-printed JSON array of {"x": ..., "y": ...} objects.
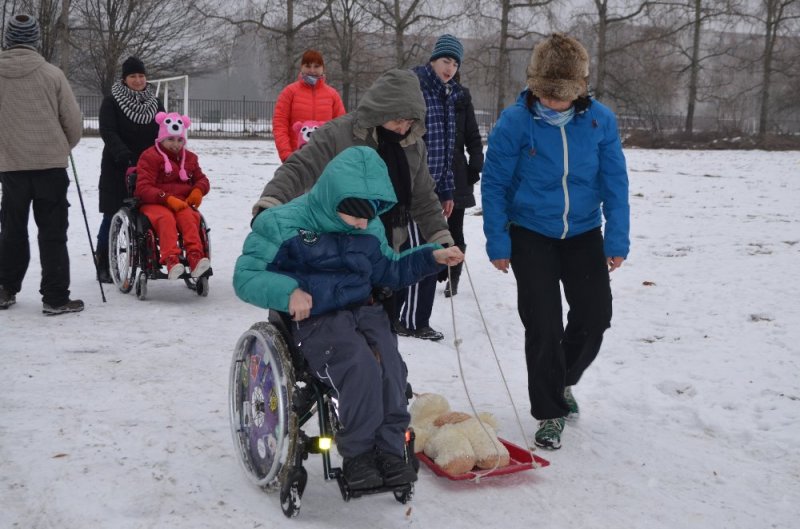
[
  {"x": 557, "y": 356},
  {"x": 355, "y": 353},
  {"x": 415, "y": 303},
  {"x": 47, "y": 191}
]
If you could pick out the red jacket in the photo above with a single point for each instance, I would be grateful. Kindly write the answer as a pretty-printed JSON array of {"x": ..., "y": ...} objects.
[
  {"x": 301, "y": 102},
  {"x": 153, "y": 185}
]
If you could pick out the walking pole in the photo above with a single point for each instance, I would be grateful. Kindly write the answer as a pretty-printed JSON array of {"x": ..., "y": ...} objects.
[{"x": 86, "y": 222}]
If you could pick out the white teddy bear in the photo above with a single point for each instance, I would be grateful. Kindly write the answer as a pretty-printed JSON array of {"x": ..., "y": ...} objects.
[{"x": 455, "y": 441}]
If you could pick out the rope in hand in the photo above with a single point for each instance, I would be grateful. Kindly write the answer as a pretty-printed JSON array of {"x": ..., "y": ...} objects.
[{"x": 457, "y": 342}]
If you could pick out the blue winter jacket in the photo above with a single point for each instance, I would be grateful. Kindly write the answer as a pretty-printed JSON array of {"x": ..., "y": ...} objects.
[
  {"x": 305, "y": 244},
  {"x": 556, "y": 181}
]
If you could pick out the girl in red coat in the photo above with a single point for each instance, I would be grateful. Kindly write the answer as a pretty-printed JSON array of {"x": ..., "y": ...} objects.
[
  {"x": 307, "y": 99},
  {"x": 171, "y": 186}
]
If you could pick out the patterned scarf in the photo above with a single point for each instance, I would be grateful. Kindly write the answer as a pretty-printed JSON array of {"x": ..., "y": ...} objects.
[
  {"x": 139, "y": 107},
  {"x": 554, "y": 117}
]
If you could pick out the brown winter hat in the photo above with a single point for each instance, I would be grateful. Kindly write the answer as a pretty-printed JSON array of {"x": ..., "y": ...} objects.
[
  {"x": 312, "y": 57},
  {"x": 559, "y": 68}
]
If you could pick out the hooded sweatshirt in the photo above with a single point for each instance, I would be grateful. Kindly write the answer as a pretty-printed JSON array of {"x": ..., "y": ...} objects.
[
  {"x": 394, "y": 95},
  {"x": 40, "y": 121},
  {"x": 306, "y": 244}
]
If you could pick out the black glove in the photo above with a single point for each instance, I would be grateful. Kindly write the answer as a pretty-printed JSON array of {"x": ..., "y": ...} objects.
[{"x": 442, "y": 276}]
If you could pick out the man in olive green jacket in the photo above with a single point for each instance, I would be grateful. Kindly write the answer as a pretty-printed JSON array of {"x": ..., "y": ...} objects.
[
  {"x": 40, "y": 122},
  {"x": 395, "y": 102}
]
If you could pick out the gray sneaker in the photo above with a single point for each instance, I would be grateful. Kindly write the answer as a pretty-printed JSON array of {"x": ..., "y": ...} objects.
[
  {"x": 574, "y": 411},
  {"x": 6, "y": 298},
  {"x": 73, "y": 305}
]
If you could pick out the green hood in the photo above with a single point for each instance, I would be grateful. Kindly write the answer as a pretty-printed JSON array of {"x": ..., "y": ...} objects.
[{"x": 356, "y": 172}]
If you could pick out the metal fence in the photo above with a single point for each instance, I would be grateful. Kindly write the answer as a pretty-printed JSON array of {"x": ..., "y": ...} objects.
[
  {"x": 211, "y": 118},
  {"x": 243, "y": 118}
]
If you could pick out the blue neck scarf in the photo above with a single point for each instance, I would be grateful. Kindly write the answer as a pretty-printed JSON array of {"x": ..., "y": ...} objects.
[
  {"x": 554, "y": 117},
  {"x": 310, "y": 80}
]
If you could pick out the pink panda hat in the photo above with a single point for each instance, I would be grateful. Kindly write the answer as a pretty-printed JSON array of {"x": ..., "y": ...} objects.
[{"x": 172, "y": 125}]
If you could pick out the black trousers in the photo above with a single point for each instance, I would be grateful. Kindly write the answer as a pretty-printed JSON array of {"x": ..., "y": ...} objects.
[
  {"x": 415, "y": 303},
  {"x": 47, "y": 191},
  {"x": 557, "y": 356},
  {"x": 455, "y": 223}
]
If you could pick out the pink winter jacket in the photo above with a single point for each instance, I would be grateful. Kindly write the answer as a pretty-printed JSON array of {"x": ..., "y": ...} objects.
[{"x": 302, "y": 102}]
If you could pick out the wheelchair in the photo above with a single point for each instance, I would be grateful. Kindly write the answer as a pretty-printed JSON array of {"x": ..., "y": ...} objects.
[
  {"x": 272, "y": 396},
  {"x": 133, "y": 250}
]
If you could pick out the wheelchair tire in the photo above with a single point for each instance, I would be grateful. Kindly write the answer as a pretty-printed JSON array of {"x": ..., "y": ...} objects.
[
  {"x": 122, "y": 250},
  {"x": 404, "y": 495},
  {"x": 201, "y": 287},
  {"x": 140, "y": 285},
  {"x": 263, "y": 425},
  {"x": 292, "y": 491}
]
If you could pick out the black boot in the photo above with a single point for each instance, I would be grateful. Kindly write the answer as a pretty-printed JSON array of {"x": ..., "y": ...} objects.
[
  {"x": 103, "y": 272},
  {"x": 451, "y": 289}
]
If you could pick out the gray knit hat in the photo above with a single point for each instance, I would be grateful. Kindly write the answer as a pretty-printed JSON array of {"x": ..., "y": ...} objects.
[
  {"x": 22, "y": 31},
  {"x": 448, "y": 46},
  {"x": 559, "y": 68}
]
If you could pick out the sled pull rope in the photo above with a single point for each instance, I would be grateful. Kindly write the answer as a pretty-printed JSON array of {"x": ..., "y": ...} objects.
[{"x": 457, "y": 342}]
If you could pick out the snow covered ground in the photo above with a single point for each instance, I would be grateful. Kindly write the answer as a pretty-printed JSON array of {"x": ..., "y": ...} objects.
[{"x": 117, "y": 417}]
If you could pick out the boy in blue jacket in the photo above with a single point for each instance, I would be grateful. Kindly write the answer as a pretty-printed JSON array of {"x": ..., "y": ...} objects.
[{"x": 318, "y": 258}]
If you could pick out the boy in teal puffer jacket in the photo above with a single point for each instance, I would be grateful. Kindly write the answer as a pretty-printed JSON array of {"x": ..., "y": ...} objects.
[{"x": 318, "y": 258}]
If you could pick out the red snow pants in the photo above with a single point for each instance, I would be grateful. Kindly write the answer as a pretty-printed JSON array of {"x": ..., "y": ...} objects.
[{"x": 168, "y": 224}]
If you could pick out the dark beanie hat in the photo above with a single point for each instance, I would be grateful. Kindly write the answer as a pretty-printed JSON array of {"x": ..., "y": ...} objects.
[
  {"x": 358, "y": 207},
  {"x": 132, "y": 65},
  {"x": 448, "y": 46},
  {"x": 22, "y": 31},
  {"x": 312, "y": 57}
]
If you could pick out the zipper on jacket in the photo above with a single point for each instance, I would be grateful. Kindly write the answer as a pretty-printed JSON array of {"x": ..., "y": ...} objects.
[{"x": 564, "y": 181}]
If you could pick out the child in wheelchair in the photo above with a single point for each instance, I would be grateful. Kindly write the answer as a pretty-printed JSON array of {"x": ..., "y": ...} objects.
[
  {"x": 318, "y": 258},
  {"x": 170, "y": 187}
]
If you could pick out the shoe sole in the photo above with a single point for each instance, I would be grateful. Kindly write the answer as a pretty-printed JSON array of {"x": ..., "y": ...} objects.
[
  {"x": 547, "y": 446},
  {"x": 365, "y": 485},
  {"x": 58, "y": 312},
  {"x": 176, "y": 272},
  {"x": 202, "y": 267}
]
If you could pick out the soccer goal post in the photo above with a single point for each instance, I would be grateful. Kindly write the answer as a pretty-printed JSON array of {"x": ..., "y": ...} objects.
[{"x": 175, "y": 84}]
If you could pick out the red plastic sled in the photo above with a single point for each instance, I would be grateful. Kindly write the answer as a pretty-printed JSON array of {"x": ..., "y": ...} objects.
[{"x": 520, "y": 459}]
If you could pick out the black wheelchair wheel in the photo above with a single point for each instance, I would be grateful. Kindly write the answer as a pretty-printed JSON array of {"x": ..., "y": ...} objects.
[
  {"x": 263, "y": 425},
  {"x": 292, "y": 491},
  {"x": 122, "y": 250}
]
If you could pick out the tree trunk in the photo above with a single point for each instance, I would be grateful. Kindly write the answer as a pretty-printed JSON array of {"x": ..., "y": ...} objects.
[
  {"x": 694, "y": 67},
  {"x": 502, "y": 58}
]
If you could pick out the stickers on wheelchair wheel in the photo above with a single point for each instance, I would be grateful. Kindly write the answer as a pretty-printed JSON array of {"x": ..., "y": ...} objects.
[{"x": 262, "y": 420}]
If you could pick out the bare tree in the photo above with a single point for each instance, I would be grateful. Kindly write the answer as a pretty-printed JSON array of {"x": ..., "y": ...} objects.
[
  {"x": 283, "y": 21},
  {"x": 345, "y": 24},
  {"x": 167, "y": 36},
  {"x": 516, "y": 21},
  {"x": 777, "y": 18},
  {"x": 47, "y": 13},
  {"x": 401, "y": 17}
]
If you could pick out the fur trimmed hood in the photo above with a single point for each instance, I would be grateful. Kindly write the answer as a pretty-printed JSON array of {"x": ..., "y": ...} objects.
[{"x": 559, "y": 68}]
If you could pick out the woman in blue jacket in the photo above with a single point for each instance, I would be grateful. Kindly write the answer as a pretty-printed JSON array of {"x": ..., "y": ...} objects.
[{"x": 554, "y": 171}]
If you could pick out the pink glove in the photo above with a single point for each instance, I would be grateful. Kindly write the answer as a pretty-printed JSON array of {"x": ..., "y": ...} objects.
[{"x": 129, "y": 171}]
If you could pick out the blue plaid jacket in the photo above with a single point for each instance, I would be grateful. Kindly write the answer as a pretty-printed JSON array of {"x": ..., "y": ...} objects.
[{"x": 440, "y": 122}]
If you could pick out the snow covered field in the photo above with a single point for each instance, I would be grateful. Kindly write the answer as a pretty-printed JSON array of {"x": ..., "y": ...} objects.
[{"x": 117, "y": 417}]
